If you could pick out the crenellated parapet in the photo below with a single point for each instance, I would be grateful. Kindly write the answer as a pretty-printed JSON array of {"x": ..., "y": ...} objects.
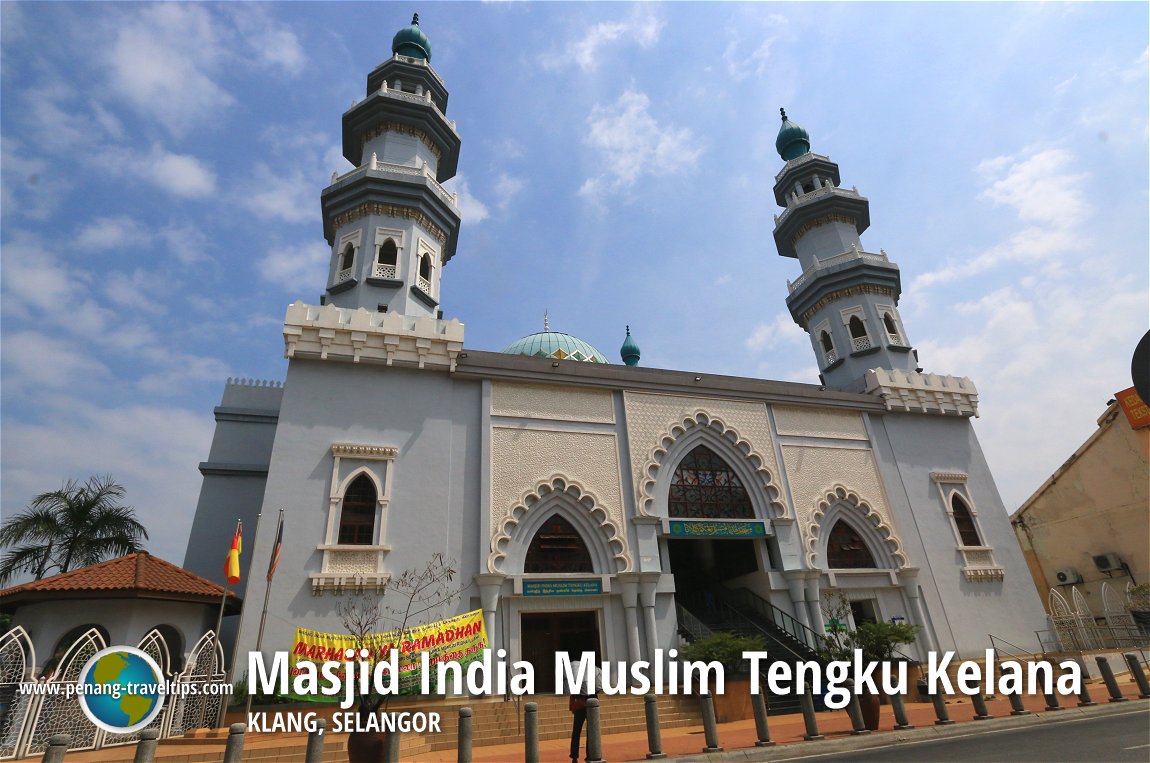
[
  {"x": 328, "y": 332},
  {"x": 914, "y": 392}
]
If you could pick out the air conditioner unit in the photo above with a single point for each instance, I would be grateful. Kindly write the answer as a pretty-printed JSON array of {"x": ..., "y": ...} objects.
[
  {"x": 1107, "y": 562},
  {"x": 1068, "y": 576}
]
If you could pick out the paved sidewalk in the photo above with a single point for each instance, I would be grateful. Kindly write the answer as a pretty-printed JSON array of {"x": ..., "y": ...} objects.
[{"x": 738, "y": 738}]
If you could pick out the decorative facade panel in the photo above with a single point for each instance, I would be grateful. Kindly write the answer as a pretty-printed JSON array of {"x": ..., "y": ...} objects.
[
  {"x": 814, "y": 422},
  {"x": 522, "y": 458},
  {"x": 813, "y": 472},
  {"x": 651, "y": 419},
  {"x": 532, "y": 401}
]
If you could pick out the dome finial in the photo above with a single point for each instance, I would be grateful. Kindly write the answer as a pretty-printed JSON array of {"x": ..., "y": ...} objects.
[
  {"x": 546, "y": 322},
  {"x": 793, "y": 140},
  {"x": 411, "y": 41},
  {"x": 629, "y": 352}
]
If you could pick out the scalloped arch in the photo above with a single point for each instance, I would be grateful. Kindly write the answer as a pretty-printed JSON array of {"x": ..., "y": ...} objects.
[
  {"x": 841, "y": 495},
  {"x": 17, "y": 656},
  {"x": 702, "y": 424},
  {"x": 554, "y": 486}
]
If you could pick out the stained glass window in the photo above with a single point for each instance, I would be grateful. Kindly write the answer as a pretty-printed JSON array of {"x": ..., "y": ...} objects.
[
  {"x": 965, "y": 523},
  {"x": 357, "y": 519},
  {"x": 705, "y": 487},
  {"x": 847, "y": 550},
  {"x": 557, "y": 547}
]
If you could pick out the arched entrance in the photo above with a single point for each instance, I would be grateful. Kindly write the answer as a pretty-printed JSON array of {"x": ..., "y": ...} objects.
[
  {"x": 705, "y": 486},
  {"x": 557, "y": 549}
]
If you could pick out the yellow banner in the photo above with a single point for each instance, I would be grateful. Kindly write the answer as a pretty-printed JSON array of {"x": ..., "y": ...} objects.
[{"x": 460, "y": 639}]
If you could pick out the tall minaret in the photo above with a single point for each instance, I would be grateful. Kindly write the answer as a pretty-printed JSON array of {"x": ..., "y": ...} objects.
[
  {"x": 846, "y": 298},
  {"x": 391, "y": 225}
]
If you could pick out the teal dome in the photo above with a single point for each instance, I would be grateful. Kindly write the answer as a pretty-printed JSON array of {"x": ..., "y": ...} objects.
[
  {"x": 793, "y": 140},
  {"x": 411, "y": 41},
  {"x": 555, "y": 344},
  {"x": 630, "y": 350}
]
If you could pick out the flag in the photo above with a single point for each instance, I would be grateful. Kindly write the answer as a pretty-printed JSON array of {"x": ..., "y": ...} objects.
[
  {"x": 232, "y": 565},
  {"x": 275, "y": 560}
]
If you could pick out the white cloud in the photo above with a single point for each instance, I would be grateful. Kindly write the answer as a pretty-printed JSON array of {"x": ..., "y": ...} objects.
[
  {"x": 181, "y": 175},
  {"x": 630, "y": 143},
  {"x": 507, "y": 187},
  {"x": 586, "y": 52},
  {"x": 152, "y": 450},
  {"x": 28, "y": 187},
  {"x": 781, "y": 330},
  {"x": 271, "y": 42},
  {"x": 273, "y": 194},
  {"x": 187, "y": 244},
  {"x": 295, "y": 268},
  {"x": 110, "y": 233},
  {"x": 762, "y": 35},
  {"x": 34, "y": 361},
  {"x": 1043, "y": 195},
  {"x": 162, "y": 61},
  {"x": 471, "y": 209}
]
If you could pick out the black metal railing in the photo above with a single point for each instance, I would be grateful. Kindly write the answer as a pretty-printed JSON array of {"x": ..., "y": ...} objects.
[{"x": 744, "y": 598}]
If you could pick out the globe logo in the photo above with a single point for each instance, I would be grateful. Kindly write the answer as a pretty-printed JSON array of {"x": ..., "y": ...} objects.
[{"x": 122, "y": 689}]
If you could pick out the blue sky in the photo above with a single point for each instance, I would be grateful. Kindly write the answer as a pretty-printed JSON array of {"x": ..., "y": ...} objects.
[{"x": 161, "y": 169}]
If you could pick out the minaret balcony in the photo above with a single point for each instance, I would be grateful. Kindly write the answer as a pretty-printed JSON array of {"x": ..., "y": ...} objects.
[
  {"x": 861, "y": 343},
  {"x": 423, "y": 284},
  {"x": 819, "y": 207},
  {"x": 386, "y": 272},
  {"x": 344, "y": 275},
  {"x": 830, "y": 262},
  {"x": 403, "y": 173},
  {"x": 424, "y": 99}
]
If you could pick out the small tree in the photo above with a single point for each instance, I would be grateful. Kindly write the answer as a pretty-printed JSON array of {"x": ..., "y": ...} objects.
[
  {"x": 72, "y": 527},
  {"x": 415, "y": 592},
  {"x": 876, "y": 641}
]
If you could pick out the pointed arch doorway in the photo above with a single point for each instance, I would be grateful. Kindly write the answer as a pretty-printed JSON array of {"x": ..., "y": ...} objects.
[
  {"x": 559, "y": 552},
  {"x": 705, "y": 486}
]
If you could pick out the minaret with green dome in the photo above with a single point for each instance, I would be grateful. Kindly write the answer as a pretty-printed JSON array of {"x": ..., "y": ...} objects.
[
  {"x": 390, "y": 223},
  {"x": 846, "y": 298}
]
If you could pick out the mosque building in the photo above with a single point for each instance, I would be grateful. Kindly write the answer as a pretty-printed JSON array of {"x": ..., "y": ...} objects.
[{"x": 587, "y": 503}]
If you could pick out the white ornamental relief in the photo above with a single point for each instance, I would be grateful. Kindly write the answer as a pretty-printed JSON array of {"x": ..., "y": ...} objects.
[{"x": 655, "y": 422}]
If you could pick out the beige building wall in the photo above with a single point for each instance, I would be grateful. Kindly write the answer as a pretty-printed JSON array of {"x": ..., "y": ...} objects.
[{"x": 1098, "y": 502}]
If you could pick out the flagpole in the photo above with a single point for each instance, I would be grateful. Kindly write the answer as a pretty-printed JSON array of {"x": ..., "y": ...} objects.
[
  {"x": 264, "y": 613},
  {"x": 220, "y": 614},
  {"x": 236, "y": 646}
]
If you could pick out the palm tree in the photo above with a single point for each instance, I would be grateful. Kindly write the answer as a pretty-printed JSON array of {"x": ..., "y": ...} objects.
[{"x": 74, "y": 526}]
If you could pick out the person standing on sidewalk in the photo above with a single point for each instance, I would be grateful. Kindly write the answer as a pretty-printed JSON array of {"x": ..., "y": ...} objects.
[{"x": 578, "y": 705}]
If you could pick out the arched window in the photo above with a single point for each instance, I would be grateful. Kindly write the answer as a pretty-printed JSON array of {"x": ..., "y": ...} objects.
[
  {"x": 388, "y": 253},
  {"x": 557, "y": 547},
  {"x": 348, "y": 257},
  {"x": 847, "y": 550},
  {"x": 425, "y": 267},
  {"x": 858, "y": 330},
  {"x": 357, "y": 518},
  {"x": 705, "y": 487},
  {"x": 964, "y": 522},
  {"x": 825, "y": 338},
  {"x": 891, "y": 328}
]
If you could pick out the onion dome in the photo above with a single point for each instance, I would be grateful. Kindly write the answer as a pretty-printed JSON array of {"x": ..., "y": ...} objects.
[
  {"x": 630, "y": 350},
  {"x": 554, "y": 344},
  {"x": 793, "y": 140},
  {"x": 412, "y": 42}
]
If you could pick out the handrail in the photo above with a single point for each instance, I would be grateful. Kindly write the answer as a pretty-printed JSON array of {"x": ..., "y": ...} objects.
[
  {"x": 693, "y": 625},
  {"x": 995, "y": 641},
  {"x": 780, "y": 619},
  {"x": 730, "y": 611}
]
